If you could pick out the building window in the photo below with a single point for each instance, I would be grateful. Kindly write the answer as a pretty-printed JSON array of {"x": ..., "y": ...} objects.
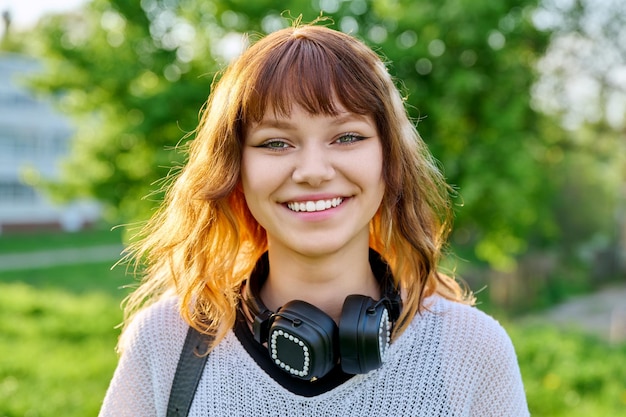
[
  {"x": 14, "y": 192},
  {"x": 17, "y": 100},
  {"x": 60, "y": 143}
]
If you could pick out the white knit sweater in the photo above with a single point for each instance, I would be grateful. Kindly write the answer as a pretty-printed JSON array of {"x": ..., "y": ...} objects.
[{"x": 451, "y": 361}]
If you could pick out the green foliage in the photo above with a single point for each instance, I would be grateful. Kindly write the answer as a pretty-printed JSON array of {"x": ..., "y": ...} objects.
[
  {"x": 111, "y": 74},
  {"x": 57, "y": 350},
  {"x": 570, "y": 374},
  {"x": 58, "y": 334},
  {"x": 591, "y": 181},
  {"x": 135, "y": 75},
  {"x": 468, "y": 75}
]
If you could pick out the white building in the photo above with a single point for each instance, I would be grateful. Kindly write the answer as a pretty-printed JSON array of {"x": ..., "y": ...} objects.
[{"x": 33, "y": 140}]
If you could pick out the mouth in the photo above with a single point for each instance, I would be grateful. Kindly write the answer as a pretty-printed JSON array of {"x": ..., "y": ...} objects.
[{"x": 311, "y": 206}]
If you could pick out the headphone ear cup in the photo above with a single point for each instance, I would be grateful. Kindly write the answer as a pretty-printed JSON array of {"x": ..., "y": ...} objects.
[
  {"x": 363, "y": 334},
  {"x": 302, "y": 340}
]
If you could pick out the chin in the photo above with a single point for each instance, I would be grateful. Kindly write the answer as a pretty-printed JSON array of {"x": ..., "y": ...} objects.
[{"x": 316, "y": 251}]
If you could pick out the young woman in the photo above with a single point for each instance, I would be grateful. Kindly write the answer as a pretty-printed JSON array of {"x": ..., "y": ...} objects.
[{"x": 304, "y": 235}]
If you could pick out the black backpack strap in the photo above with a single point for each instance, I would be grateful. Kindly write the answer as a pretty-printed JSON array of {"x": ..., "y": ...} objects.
[{"x": 188, "y": 372}]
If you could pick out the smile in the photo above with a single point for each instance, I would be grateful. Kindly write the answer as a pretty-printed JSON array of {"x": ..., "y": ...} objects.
[{"x": 310, "y": 206}]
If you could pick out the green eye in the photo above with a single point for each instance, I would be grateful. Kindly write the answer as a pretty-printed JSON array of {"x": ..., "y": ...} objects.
[
  {"x": 349, "y": 138},
  {"x": 275, "y": 144}
]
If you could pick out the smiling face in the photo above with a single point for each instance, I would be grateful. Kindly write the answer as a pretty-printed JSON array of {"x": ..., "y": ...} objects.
[{"x": 313, "y": 181}]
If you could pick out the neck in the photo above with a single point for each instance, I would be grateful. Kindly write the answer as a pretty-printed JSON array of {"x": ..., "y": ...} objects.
[{"x": 323, "y": 281}]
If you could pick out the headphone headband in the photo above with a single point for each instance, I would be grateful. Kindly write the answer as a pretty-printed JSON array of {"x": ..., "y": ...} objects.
[
  {"x": 262, "y": 315},
  {"x": 305, "y": 342}
]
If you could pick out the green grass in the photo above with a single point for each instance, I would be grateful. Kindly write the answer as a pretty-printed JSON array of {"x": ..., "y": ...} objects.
[
  {"x": 57, "y": 339},
  {"x": 74, "y": 279},
  {"x": 31, "y": 242},
  {"x": 570, "y": 374},
  {"x": 56, "y": 350},
  {"x": 57, "y": 329}
]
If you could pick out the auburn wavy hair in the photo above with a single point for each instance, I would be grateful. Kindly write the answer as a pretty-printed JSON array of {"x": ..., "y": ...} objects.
[{"x": 203, "y": 242}]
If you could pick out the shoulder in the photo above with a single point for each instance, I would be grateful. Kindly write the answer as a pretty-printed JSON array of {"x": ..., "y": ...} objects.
[
  {"x": 464, "y": 332},
  {"x": 463, "y": 321},
  {"x": 472, "y": 351},
  {"x": 158, "y": 326},
  {"x": 478, "y": 348}
]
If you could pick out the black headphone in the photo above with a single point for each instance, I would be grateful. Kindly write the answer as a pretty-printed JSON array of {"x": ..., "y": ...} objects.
[{"x": 305, "y": 342}]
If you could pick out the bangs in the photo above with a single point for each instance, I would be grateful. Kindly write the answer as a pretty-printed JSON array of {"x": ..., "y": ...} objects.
[{"x": 316, "y": 74}]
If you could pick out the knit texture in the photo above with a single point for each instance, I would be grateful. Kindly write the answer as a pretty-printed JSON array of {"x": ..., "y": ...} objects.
[{"x": 452, "y": 360}]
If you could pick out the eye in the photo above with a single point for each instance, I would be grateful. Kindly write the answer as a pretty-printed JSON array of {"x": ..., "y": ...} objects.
[
  {"x": 274, "y": 144},
  {"x": 348, "y": 138}
]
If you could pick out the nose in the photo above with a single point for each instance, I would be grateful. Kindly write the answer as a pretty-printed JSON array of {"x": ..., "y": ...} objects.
[{"x": 313, "y": 166}]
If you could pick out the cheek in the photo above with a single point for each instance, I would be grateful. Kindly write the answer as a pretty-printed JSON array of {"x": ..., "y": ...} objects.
[
  {"x": 259, "y": 179},
  {"x": 372, "y": 167},
  {"x": 377, "y": 174}
]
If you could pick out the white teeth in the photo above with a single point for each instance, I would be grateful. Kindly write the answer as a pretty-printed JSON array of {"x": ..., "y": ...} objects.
[{"x": 311, "y": 206}]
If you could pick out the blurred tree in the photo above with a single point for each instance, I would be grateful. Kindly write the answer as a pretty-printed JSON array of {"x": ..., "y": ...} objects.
[
  {"x": 136, "y": 74},
  {"x": 134, "y": 77},
  {"x": 583, "y": 74},
  {"x": 582, "y": 81}
]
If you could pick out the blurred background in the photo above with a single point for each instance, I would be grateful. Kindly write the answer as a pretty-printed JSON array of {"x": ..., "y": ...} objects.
[{"x": 522, "y": 102}]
